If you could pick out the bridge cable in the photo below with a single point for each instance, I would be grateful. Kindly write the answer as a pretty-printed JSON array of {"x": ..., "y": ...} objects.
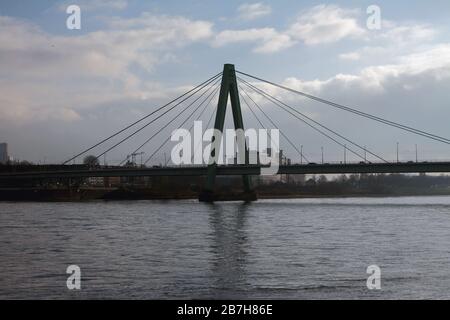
[
  {"x": 178, "y": 115},
  {"x": 198, "y": 117},
  {"x": 270, "y": 120},
  {"x": 207, "y": 126},
  {"x": 318, "y": 130},
  {"x": 277, "y": 102},
  {"x": 143, "y": 118},
  {"x": 159, "y": 148},
  {"x": 168, "y": 138},
  {"x": 355, "y": 111},
  {"x": 158, "y": 117},
  {"x": 173, "y": 119}
]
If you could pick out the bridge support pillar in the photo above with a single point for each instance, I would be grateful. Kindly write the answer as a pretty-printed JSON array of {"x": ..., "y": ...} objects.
[{"x": 229, "y": 88}]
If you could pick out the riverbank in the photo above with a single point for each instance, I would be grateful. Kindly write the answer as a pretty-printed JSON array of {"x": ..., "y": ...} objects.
[{"x": 90, "y": 194}]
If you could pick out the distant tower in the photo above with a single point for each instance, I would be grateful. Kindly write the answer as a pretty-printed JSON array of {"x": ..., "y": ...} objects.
[
  {"x": 4, "y": 153},
  {"x": 281, "y": 157}
]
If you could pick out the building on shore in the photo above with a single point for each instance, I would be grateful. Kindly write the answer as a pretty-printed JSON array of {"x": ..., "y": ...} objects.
[{"x": 4, "y": 153}]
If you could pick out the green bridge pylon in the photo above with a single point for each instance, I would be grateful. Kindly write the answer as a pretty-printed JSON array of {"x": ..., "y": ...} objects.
[{"x": 228, "y": 87}]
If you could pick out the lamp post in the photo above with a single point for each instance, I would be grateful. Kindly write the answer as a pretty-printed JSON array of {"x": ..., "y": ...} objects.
[
  {"x": 345, "y": 153},
  {"x": 397, "y": 152},
  {"x": 321, "y": 148},
  {"x": 417, "y": 158},
  {"x": 301, "y": 154}
]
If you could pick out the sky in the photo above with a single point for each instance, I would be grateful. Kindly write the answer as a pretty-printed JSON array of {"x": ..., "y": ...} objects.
[{"x": 62, "y": 90}]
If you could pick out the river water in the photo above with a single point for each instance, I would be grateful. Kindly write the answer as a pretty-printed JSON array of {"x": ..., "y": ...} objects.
[{"x": 270, "y": 249}]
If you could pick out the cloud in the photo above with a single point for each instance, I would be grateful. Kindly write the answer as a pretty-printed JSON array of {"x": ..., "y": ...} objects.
[
  {"x": 268, "y": 38},
  {"x": 252, "y": 11},
  {"x": 393, "y": 40},
  {"x": 165, "y": 26},
  {"x": 319, "y": 25},
  {"x": 350, "y": 56},
  {"x": 275, "y": 43},
  {"x": 432, "y": 63},
  {"x": 55, "y": 76},
  {"x": 326, "y": 24},
  {"x": 407, "y": 33}
]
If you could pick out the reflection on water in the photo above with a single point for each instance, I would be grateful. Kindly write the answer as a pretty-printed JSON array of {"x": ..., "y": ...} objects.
[
  {"x": 280, "y": 249},
  {"x": 229, "y": 247}
]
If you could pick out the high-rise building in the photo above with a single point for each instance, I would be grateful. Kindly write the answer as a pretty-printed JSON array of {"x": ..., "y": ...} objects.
[{"x": 4, "y": 153}]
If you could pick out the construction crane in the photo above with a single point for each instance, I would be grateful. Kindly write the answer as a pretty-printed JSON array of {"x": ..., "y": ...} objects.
[{"x": 133, "y": 157}]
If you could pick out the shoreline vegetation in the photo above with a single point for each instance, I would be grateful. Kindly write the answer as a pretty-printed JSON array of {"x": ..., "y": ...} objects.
[
  {"x": 228, "y": 187},
  {"x": 123, "y": 194}
]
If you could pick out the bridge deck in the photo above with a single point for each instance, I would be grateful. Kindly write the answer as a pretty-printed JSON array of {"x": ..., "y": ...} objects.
[{"x": 402, "y": 167}]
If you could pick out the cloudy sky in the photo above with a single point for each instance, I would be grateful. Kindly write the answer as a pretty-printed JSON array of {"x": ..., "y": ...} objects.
[{"x": 62, "y": 90}]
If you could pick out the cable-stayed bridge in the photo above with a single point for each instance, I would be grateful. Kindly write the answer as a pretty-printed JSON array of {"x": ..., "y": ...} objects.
[{"x": 210, "y": 99}]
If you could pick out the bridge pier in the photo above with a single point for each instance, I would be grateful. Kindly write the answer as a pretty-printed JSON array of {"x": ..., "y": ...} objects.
[{"x": 208, "y": 196}]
